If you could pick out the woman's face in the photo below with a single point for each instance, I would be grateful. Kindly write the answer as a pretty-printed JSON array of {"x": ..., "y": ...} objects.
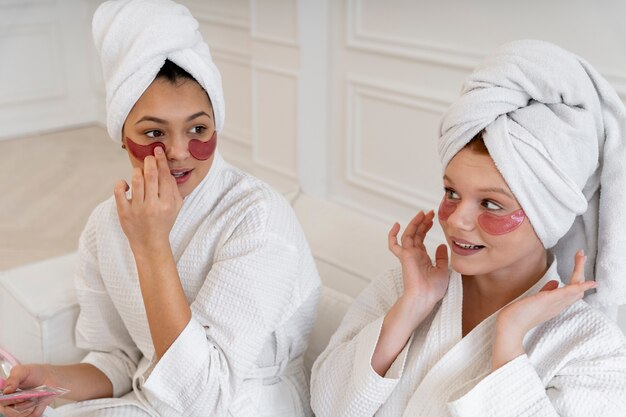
[
  {"x": 173, "y": 114},
  {"x": 483, "y": 223}
]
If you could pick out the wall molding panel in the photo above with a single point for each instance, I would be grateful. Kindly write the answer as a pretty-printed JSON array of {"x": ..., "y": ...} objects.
[
  {"x": 45, "y": 38},
  {"x": 355, "y": 174},
  {"x": 211, "y": 13},
  {"x": 284, "y": 167},
  {"x": 257, "y": 34},
  {"x": 413, "y": 49}
]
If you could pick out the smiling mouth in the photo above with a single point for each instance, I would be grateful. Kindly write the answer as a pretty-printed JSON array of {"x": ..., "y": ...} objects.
[
  {"x": 467, "y": 246},
  {"x": 180, "y": 174}
]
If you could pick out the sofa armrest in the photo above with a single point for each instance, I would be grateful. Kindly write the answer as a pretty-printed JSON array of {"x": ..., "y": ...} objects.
[{"x": 38, "y": 311}]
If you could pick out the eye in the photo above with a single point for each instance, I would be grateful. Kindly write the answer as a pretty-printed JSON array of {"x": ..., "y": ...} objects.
[
  {"x": 154, "y": 133},
  {"x": 451, "y": 194},
  {"x": 490, "y": 205},
  {"x": 198, "y": 130}
]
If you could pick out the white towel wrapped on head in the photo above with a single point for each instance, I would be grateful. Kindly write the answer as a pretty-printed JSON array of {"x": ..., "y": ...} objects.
[
  {"x": 134, "y": 38},
  {"x": 556, "y": 130}
]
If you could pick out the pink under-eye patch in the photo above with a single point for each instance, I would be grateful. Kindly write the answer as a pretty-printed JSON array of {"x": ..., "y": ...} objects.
[
  {"x": 197, "y": 148},
  {"x": 446, "y": 208},
  {"x": 489, "y": 222},
  {"x": 499, "y": 225}
]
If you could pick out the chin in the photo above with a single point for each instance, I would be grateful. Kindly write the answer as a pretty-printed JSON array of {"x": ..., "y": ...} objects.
[{"x": 466, "y": 265}]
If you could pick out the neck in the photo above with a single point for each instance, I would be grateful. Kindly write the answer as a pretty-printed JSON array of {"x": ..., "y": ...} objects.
[{"x": 485, "y": 294}]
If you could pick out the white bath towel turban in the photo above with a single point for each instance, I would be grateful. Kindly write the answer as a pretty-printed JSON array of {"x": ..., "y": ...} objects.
[
  {"x": 555, "y": 129},
  {"x": 134, "y": 38}
]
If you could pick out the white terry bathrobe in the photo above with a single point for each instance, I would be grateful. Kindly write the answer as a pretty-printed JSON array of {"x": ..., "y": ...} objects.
[
  {"x": 575, "y": 364},
  {"x": 252, "y": 285}
]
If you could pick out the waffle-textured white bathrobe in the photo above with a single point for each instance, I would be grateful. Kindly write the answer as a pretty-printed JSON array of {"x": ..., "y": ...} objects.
[
  {"x": 575, "y": 364},
  {"x": 252, "y": 285}
]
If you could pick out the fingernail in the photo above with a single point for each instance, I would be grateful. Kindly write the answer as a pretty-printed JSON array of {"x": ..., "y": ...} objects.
[{"x": 158, "y": 150}]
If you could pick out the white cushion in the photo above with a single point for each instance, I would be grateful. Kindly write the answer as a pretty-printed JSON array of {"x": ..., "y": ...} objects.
[
  {"x": 332, "y": 307},
  {"x": 38, "y": 310}
]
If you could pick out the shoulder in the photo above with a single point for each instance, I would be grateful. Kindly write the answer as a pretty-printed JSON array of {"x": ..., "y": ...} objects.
[
  {"x": 257, "y": 206},
  {"x": 101, "y": 216}
]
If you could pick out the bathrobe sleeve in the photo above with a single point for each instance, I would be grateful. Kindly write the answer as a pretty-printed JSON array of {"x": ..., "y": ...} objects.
[
  {"x": 251, "y": 289},
  {"x": 343, "y": 382},
  {"x": 590, "y": 378},
  {"x": 99, "y": 328}
]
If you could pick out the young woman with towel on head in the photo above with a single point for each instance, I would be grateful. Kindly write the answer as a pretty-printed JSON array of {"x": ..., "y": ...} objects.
[
  {"x": 198, "y": 293},
  {"x": 533, "y": 154}
]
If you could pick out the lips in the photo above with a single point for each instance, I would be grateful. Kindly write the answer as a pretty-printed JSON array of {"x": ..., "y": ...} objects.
[
  {"x": 181, "y": 175},
  {"x": 464, "y": 247}
]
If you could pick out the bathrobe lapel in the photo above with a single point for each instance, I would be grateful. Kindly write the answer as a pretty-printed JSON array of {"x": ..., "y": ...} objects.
[{"x": 455, "y": 363}]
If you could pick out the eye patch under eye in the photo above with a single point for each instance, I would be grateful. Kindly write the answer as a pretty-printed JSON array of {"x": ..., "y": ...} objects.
[
  {"x": 489, "y": 222},
  {"x": 197, "y": 148},
  {"x": 499, "y": 225},
  {"x": 446, "y": 208}
]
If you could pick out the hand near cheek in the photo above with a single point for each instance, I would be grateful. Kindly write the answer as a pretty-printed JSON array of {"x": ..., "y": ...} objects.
[
  {"x": 148, "y": 217},
  {"x": 516, "y": 319}
]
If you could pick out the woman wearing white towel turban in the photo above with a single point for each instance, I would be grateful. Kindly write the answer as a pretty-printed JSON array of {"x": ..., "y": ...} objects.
[
  {"x": 533, "y": 154},
  {"x": 198, "y": 292}
]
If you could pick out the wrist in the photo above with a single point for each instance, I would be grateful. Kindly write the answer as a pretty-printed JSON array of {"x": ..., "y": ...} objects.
[
  {"x": 151, "y": 248},
  {"x": 413, "y": 309}
]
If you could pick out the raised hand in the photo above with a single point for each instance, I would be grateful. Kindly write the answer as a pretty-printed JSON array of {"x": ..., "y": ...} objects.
[
  {"x": 516, "y": 319},
  {"x": 424, "y": 285},
  {"x": 148, "y": 217},
  {"x": 423, "y": 282}
]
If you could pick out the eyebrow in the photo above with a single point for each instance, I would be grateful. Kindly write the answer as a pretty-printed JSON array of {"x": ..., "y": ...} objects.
[
  {"x": 488, "y": 189},
  {"x": 164, "y": 122}
]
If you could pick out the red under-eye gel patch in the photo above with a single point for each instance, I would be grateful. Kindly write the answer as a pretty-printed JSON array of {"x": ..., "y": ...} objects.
[
  {"x": 197, "y": 148},
  {"x": 446, "y": 208},
  {"x": 499, "y": 225},
  {"x": 489, "y": 222}
]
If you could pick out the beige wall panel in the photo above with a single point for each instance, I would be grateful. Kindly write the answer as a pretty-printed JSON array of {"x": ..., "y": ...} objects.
[
  {"x": 236, "y": 82},
  {"x": 40, "y": 71},
  {"x": 274, "y": 21},
  {"x": 274, "y": 119},
  {"x": 390, "y": 149}
]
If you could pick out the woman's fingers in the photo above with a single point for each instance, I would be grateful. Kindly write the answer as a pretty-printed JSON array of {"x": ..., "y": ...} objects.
[
  {"x": 578, "y": 275},
  {"x": 119, "y": 191},
  {"x": 411, "y": 229},
  {"x": 425, "y": 227},
  {"x": 151, "y": 177},
  {"x": 392, "y": 239},
  {"x": 138, "y": 186},
  {"x": 441, "y": 257},
  {"x": 165, "y": 177}
]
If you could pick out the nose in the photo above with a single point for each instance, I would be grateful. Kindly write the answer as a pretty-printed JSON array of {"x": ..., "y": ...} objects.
[
  {"x": 178, "y": 148},
  {"x": 464, "y": 217}
]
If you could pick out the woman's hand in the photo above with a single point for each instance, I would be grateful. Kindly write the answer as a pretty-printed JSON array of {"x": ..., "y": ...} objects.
[
  {"x": 424, "y": 285},
  {"x": 424, "y": 282},
  {"x": 517, "y": 318},
  {"x": 26, "y": 377},
  {"x": 148, "y": 217}
]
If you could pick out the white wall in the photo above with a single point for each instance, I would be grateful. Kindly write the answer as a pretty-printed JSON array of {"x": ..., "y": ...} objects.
[
  {"x": 46, "y": 80},
  {"x": 339, "y": 99}
]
